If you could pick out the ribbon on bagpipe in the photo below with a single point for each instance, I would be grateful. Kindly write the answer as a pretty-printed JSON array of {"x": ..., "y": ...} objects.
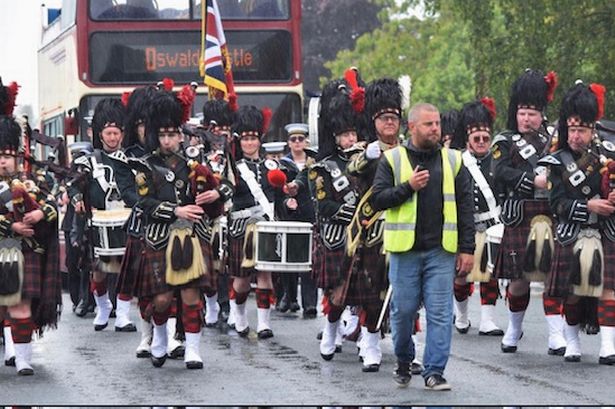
[{"x": 203, "y": 179}]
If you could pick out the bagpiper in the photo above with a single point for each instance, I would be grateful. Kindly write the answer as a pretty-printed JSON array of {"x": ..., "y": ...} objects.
[
  {"x": 526, "y": 247},
  {"x": 177, "y": 258},
  {"x": 582, "y": 196},
  {"x": 30, "y": 288}
]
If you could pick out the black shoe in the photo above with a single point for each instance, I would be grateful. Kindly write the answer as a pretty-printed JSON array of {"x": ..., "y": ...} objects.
[
  {"x": 572, "y": 358},
  {"x": 294, "y": 307},
  {"x": 158, "y": 362},
  {"x": 437, "y": 382},
  {"x": 211, "y": 324},
  {"x": 194, "y": 365},
  {"x": 402, "y": 374},
  {"x": 327, "y": 357},
  {"x": 11, "y": 361},
  {"x": 557, "y": 351},
  {"x": 143, "y": 354},
  {"x": 591, "y": 329},
  {"x": 371, "y": 368},
  {"x": 244, "y": 333},
  {"x": 264, "y": 334},
  {"x": 25, "y": 372},
  {"x": 283, "y": 306},
  {"x": 607, "y": 360},
  {"x": 177, "y": 353},
  {"x": 101, "y": 326},
  {"x": 310, "y": 313},
  {"x": 463, "y": 330},
  {"x": 416, "y": 368},
  {"x": 82, "y": 309},
  {"x": 509, "y": 349},
  {"x": 492, "y": 333},
  {"x": 338, "y": 349},
  {"x": 319, "y": 335},
  {"x": 126, "y": 328}
]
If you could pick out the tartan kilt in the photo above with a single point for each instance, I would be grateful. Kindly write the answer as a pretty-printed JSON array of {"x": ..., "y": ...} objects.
[
  {"x": 32, "y": 275},
  {"x": 151, "y": 279},
  {"x": 235, "y": 257},
  {"x": 515, "y": 239},
  {"x": 558, "y": 284},
  {"x": 369, "y": 277},
  {"x": 131, "y": 262},
  {"x": 331, "y": 272}
]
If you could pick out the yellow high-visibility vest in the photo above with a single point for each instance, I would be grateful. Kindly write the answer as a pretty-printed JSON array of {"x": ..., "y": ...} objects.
[{"x": 400, "y": 221}]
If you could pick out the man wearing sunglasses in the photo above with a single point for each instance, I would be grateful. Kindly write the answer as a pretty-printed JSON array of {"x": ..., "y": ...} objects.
[
  {"x": 473, "y": 132},
  {"x": 295, "y": 165}
]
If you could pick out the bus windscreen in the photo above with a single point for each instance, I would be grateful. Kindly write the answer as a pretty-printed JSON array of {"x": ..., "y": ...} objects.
[
  {"x": 146, "y": 57},
  {"x": 116, "y": 10}
]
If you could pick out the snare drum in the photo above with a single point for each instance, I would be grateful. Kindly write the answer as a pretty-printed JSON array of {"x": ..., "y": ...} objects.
[
  {"x": 494, "y": 238},
  {"x": 283, "y": 246},
  {"x": 108, "y": 234}
]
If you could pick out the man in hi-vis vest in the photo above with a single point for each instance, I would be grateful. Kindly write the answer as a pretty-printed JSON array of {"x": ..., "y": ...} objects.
[{"x": 429, "y": 235}]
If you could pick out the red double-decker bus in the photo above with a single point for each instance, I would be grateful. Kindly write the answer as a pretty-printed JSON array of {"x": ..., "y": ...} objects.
[{"x": 98, "y": 48}]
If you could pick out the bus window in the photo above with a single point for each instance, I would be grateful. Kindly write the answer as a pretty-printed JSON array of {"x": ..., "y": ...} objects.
[
  {"x": 249, "y": 9},
  {"x": 139, "y": 9}
]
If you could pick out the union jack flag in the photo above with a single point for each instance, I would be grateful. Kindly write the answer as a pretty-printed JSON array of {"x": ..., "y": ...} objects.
[{"x": 215, "y": 63}]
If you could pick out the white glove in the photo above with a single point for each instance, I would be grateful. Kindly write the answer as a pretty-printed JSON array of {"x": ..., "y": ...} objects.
[{"x": 373, "y": 150}]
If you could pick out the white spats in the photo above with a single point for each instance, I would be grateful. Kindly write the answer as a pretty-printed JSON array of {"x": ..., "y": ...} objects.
[
  {"x": 462, "y": 323},
  {"x": 147, "y": 329},
  {"x": 159, "y": 341},
  {"x": 556, "y": 326},
  {"x": 192, "y": 358},
  {"x": 487, "y": 324},
  {"x": 573, "y": 342},
  {"x": 514, "y": 330},
  {"x": 122, "y": 311},
  {"x": 212, "y": 309},
  {"x": 371, "y": 345},
  {"x": 104, "y": 307},
  {"x": 607, "y": 341},
  {"x": 9, "y": 349},
  {"x": 241, "y": 318},
  {"x": 327, "y": 343},
  {"x": 23, "y": 357}
]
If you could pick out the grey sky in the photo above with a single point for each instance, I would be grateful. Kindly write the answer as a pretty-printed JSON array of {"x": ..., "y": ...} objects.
[{"x": 19, "y": 41}]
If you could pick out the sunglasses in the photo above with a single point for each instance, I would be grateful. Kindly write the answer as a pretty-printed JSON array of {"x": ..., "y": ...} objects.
[
  {"x": 297, "y": 138},
  {"x": 479, "y": 139},
  {"x": 389, "y": 118}
]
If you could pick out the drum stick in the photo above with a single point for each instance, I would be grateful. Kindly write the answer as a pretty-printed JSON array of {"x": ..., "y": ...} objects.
[{"x": 385, "y": 305}]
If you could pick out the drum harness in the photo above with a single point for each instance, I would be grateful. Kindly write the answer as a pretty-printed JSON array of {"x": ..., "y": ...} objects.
[
  {"x": 255, "y": 190},
  {"x": 108, "y": 186},
  {"x": 494, "y": 209}
]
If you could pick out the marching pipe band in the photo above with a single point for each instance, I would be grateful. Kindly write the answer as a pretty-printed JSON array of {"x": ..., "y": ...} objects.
[{"x": 187, "y": 216}]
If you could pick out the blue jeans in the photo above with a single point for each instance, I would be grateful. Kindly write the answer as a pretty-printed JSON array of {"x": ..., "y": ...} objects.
[{"x": 423, "y": 276}]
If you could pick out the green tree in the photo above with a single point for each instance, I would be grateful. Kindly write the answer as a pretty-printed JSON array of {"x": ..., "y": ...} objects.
[
  {"x": 431, "y": 51},
  {"x": 462, "y": 49}
]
